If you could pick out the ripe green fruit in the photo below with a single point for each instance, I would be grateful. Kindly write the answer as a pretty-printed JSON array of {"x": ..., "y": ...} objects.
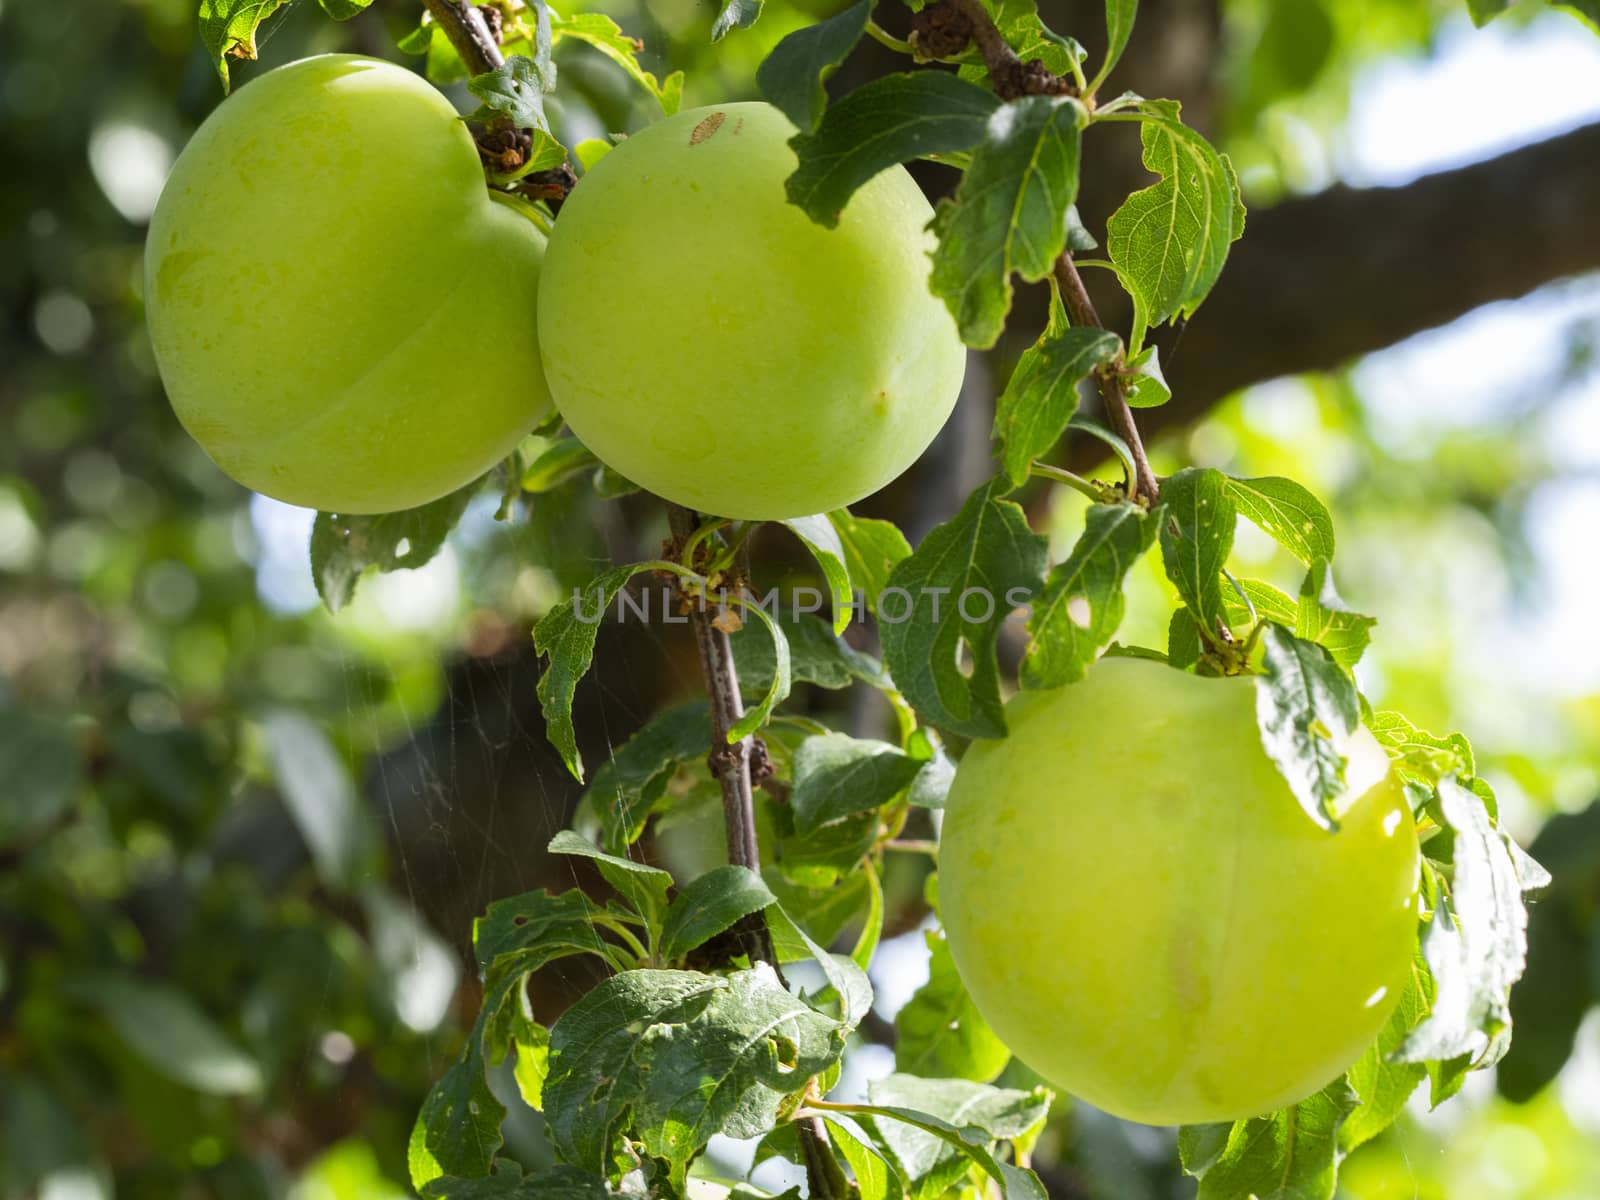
[
  {"x": 711, "y": 343},
  {"x": 342, "y": 315},
  {"x": 1144, "y": 914}
]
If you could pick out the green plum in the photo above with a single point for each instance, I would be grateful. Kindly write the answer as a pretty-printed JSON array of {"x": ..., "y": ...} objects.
[
  {"x": 708, "y": 341},
  {"x": 343, "y": 314},
  {"x": 1146, "y": 916}
]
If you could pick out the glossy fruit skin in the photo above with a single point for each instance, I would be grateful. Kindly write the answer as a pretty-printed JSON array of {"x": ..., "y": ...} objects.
[
  {"x": 710, "y": 342},
  {"x": 343, "y": 317},
  {"x": 1148, "y": 919}
]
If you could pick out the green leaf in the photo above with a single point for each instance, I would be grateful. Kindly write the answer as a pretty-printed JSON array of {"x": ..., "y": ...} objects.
[
  {"x": 1268, "y": 603},
  {"x": 985, "y": 558},
  {"x": 932, "y": 784},
  {"x": 1085, "y": 424},
  {"x": 1170, "y": 240},
  {"x": 1292, "y": 1154},
  {"x": 668, "y": 1058},
  {"x": 1423, "y": 756},
  {"x": 735, "y": 14},
  {"x": 940, "y": 1033},
  {"x": 532, "y": 1068},
  {"x": 1119, "y": 27},
  {"x": 885, "y": 122},
  {"x": 837, "y": 776},
  {"x": 791, "y": 75},
  {"x": 458, "y": 1129},
  {"x": 1196, "y": 525},
  {"x": 1306, "y": 707},
  {"x": 228, "y": 29},
  {"x": 169, "y": 1031},
  {"x": 1145, "y": 385},
  {"x": 876, "y": 1177},
  {"x": 847, "y": 980},
  {"x": 566, "y": 636},
  {"x": 523, "y": 933},
  {"x": 822, "y": 539},
  {"x": 343, "y": 10},
  {"x": 507, "y": 1182},
  {"x": 513, "y": 90},
  {"x": 322, "y": 799},
  {"x": 644, "y": 887},
  {"x": 872, "y": 550},
  {"x": 1009, "y": 213},
  {"x": 345, "y": 545},
  {"x": 1296, "y": 519},
  {"x": 1042, "y": 394},
  {"x": 1082, "y": 602},
  {"x": 606, "y": 36},
  {"x": 777, "y": 691},
  {"x": 42, "y": 768},
  {"x": 1382, "y": 1083},
  {"x": 816, "y": 655},
  {"x": 629, "y": 785},
  {"x": 709, "y": 904},
  {"x": 1023, "y": 30},
  {"x": 1476, "y": 943},
  {"x": 1323, "y": 617}
]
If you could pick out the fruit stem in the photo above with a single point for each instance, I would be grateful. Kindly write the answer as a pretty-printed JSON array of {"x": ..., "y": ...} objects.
[
  {"x": 730, "y": 763},
  {"x": 468, "y": 32},
  {"x": 1109, "y": 380}
]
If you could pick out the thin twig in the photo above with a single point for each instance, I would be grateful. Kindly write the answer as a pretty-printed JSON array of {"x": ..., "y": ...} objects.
[
  {"x": 1109, "y": 379},
  {"x": 469, "y": 33},
  {"x": 730, "y": 763}
]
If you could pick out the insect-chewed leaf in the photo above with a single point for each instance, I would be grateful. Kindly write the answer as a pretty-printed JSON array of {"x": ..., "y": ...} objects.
[
  {"x": 791, "y": 75},
  {"x": 1421, "y": 755},
  {"x": 888, "y": 121},
  {"x": 344, "y": 545},
  {"x": 1295, "y": 518},
  {"x": 668, "y": 1058},
  {"x": 872, "y": 549},
  {"x": 1010, "y": 212},
  {"x": 709, "y": 904},
  {"x": 507, "y": 1182},
  {"x": 1195, "y": 521},
  {"x": 1170, "y": 240},
  {"x": 228, "y": 29},
  {"x": 513, "y": 90},
  {"x": 458, "y": 1130},
  {"x": 629, "y": 785},
  {"x": 735, "y": 14},
  {"x": 566, "y": 635},
  {"x": 1042, "y": 394},
  {"x": 985, "y": 561},
  {"x": 822, "y": 539},
  {"x": 1323, "y": 617},
  {"x": 606, "y": 36},
  {"x": 1476, "y": 942},
  {"x": 1292, "y": 1154},
  {"x": 941, "y": 1035},
  {"x": 1082, "y": 602},
  {"x": 644, "y": 887},
  {"x": 1382, "y": 1083},
  {"x": 837, "y": 776},
  {"x": 1306, "y": 706}
]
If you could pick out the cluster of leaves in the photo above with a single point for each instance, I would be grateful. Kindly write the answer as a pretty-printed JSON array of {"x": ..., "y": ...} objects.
[{"x": 637, "y": 1076}]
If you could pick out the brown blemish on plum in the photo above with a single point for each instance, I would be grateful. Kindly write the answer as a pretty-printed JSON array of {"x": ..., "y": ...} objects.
[{"x": 707, "y": 128}]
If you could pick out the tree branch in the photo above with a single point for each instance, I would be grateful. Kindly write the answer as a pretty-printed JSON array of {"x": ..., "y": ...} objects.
[
  {"x": 464, "y": 24},
  {"x": 731, "y": 764}
]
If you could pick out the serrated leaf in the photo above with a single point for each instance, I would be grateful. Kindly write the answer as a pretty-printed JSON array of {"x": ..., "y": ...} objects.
[
  {"x": 1323, "y": 617},
  {"x": 606, "y": 36},
  {"x": 778, "y": 690},
  {"x": 523, "y": 933},
  {"x": 1295, "y": 519},
  {"x": 42, "y": 767},
  {"x": 565, "y": 635},
  {"x": 791, "y": 76},
  {"x": 940, "y": 1033},
  {"x": 1476, "y": 942},
  {"x": 816, "y": 655},
  {"x": 668, "y": 1058},
  {"x": 1383, "y": 1084},
  {"x": 513, "y": 90},
  {"x": 888, "y": 121},
  {"x": 1042, "y": 394},
  {"x": 228, "y": 29},
  {"x": 1265, "y": 603},
  {"x": 1009, "y": 214},
  {"x": 1292, "y": 1154},
  {"x": 822, "y": 539},
  {"x": 1170, "y": 240},
  {"x": 872, "y": 550},
  {"x": 987, "y": 553},
  {"x": 735, "y": 14},
  {"x": 1196, "y": 525},
  {"x": 837, "y": 776},
  {"x": 344, "y": 545},
  {"x": 1082, "y": 603},
  {"x": 627, "y": 787},
  {"x": 644, "y": 887},
  {"x": 1019, "y": 23},
  {"x": 1306, "y": 708},
  {"x": 709, "y": 904},
  {"x": 507, "y": 1182}
]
